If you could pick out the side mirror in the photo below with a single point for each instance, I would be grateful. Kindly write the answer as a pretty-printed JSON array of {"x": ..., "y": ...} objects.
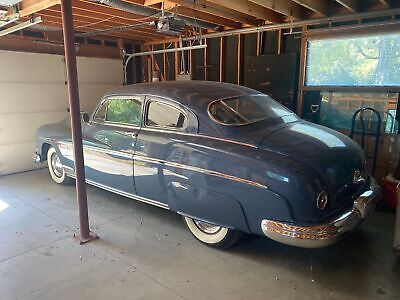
[{"x": 84, "y": 117}]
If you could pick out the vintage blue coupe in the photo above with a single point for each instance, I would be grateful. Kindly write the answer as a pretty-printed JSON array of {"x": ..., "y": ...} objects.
[{"x": 229, "y": 159}]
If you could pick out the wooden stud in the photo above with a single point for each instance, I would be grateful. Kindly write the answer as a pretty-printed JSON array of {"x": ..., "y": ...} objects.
[
  {"x": 222, "y": 59},
  {"x": 239, "y": 59},
  {"x": 258, "y": 43},
  {"x": 205, "y": 61},
  {"x": 191, "y": 68},
  {"x": 279, "y": 41},
  {"x": 302, "y": 75},
  {"x": 165, "y": 63},
  {"x": 177, "y": 61}
]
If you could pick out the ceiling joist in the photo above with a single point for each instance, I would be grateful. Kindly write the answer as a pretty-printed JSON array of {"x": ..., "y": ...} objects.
[
  {"x": 219, "y": 11},
  {"x": 29, "y": 7},
  {"x": 285, "y": 7},
  {"x": 318, "y": 6},
  {"x": 252, "y": 9},
  {"x": 349, "y": 4}
]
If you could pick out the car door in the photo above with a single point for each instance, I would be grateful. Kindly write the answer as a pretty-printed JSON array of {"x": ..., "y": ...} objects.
[
  {"x": 156, "y": 140},
  {"x": 109, "y": 141}
]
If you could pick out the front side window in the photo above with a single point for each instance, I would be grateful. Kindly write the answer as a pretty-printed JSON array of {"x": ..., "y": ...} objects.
[
  {"x": 101, "y": 113},
  {"x": 165, "y": 116},
  {"x": 245, "y": 110},
  {"x": 124, "y": 111}
]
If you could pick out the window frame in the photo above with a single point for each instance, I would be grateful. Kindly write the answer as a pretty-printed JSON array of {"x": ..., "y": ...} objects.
[
  {"x": 106, "y": 100},
  {"x": 210, "y": 115},
  {"x": 149, "y": 100}
]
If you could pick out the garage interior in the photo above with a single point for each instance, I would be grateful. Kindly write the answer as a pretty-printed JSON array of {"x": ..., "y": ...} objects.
[{"x": 306, "y": 54}]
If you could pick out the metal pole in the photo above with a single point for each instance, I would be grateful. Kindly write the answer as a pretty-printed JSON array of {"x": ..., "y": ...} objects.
[{"x": 73, "y": 93}]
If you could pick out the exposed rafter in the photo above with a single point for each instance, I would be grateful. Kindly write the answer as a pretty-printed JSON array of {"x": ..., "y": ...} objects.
[
  {"x": 29, "y": 7},
  {"x": 318, "y": 6},
  {"x": 386, "y": 3},
  {"x": 349, "y": 4},
  {"x": 250, "y": 8},
  {"x": 285, "y": 7},
  {"x": 211, "y": 8}
]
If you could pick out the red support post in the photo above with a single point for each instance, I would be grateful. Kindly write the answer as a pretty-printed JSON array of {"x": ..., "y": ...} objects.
[{"x": 73, "y": 93}]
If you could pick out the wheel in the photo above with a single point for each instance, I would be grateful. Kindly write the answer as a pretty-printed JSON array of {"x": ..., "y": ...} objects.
[
  {"x": 56, "y": 169},
  {"x": 212, "y": 235}
]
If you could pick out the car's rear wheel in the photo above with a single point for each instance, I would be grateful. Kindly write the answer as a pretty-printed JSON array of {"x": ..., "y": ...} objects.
[
  {"x": 56, "y": 168},
  {"x": 212, "y": 235}
]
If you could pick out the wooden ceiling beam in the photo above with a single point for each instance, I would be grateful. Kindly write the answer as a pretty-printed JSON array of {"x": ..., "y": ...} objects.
[
  {"x": 94, "y": 17},
  {"x": 54, "y": 23},
  {"x": 216, "y": 10},
  {"x": 285, "y": 7},
  {"x": 349, "y": 4},
  {"x": 87, "y": 27},
  {"x": 28, "y": 7},
  {"x": 106, "y": 10},
  {"x": 199, "y": 15},
  {"x": 386, "y": 3},
  {"x": 318, "y": 6},
  {"x": 252, "y": 9}
]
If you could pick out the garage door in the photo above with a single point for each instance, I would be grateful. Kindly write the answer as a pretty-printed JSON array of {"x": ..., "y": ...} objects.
[{"x": 33, "y": 92}]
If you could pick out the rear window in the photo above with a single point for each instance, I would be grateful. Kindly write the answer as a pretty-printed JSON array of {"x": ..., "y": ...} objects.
[{"x": 245, "y": 110}]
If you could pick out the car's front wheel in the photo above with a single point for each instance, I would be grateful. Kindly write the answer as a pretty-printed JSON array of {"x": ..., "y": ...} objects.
[
  {"x": 212, "y": 235},
  {"x": 56, "y": 168}
]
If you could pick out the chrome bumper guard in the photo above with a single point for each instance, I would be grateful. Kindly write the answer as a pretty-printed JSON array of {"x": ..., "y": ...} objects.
[{"x": 324, "y": 234}]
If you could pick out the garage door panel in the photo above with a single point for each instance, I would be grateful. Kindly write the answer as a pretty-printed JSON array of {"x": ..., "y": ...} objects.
[
  {"x": 27, "y": 97},
  {"x": 110, "y": 73},
  {"x": 33, "y": 92},
  {"x": 18, "y": 128},
  {"x": 17, "y": 158},
  {"x": 31, "y": 67}
]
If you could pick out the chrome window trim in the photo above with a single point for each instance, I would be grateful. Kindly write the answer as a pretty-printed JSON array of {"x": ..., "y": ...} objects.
[
  {"x": 177, "y": 165},
  {"x": 115, "y": 124},
  {"x": 201, "y": 136},
  {"x": 125, "y": 194},
  {"x": 149, "y": 100},
  {"x": 236, "y": 125},
  {"x": 199, "y": 170}
]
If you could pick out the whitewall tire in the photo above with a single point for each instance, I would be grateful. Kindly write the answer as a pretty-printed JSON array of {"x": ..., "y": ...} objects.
[
  {"x": 56, "y": 168},
  {"x": 212, "y": 235}
]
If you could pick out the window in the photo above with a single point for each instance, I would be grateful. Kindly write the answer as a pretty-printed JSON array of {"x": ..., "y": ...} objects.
[
  {"x": 337, "y": 109},
  {"x": 101, "y": 112},
  {"x": 246, "y": 109},
  {"x": 164, "y": 115},
  {"x": 354, "y": 61},
  {"x": 125, "y": 111}
]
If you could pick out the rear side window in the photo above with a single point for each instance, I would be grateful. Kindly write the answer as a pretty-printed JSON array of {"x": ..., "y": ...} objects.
[
  {"x": 124, "y": 111},
  {"x": 165, "y": 116},
  {"x": 245, "y": 110}
]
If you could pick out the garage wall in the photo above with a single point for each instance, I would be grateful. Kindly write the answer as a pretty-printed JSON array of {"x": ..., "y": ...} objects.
[{"x": 33, "y": 92}]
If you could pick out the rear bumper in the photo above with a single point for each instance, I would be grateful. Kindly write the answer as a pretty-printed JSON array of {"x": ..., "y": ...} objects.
[{"x": 324, "y": 234}]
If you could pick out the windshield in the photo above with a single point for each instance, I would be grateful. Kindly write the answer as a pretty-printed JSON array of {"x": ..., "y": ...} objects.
[{"x": 245, "y": 110}]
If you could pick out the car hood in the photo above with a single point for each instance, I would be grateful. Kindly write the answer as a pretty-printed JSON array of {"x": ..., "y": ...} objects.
[{"x": 332, "y": 154}]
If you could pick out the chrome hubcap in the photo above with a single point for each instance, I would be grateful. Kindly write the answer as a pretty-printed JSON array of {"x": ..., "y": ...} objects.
[
  {"x": 56, "y": 165},
  {"x": 207, "y": 227}
]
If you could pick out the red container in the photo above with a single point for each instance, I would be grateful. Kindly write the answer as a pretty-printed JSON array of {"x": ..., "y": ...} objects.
[{"x": 390, "y": 194}]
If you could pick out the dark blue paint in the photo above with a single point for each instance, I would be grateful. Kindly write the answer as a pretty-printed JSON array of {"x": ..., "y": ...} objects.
[{"x": 293, "y": 158}]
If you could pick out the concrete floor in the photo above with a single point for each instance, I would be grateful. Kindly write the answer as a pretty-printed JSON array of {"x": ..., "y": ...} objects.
[{"x": 146, "y": 253}]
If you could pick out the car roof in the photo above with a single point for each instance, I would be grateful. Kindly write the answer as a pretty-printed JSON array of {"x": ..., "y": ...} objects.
[{"x": 194, "y": 94}]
